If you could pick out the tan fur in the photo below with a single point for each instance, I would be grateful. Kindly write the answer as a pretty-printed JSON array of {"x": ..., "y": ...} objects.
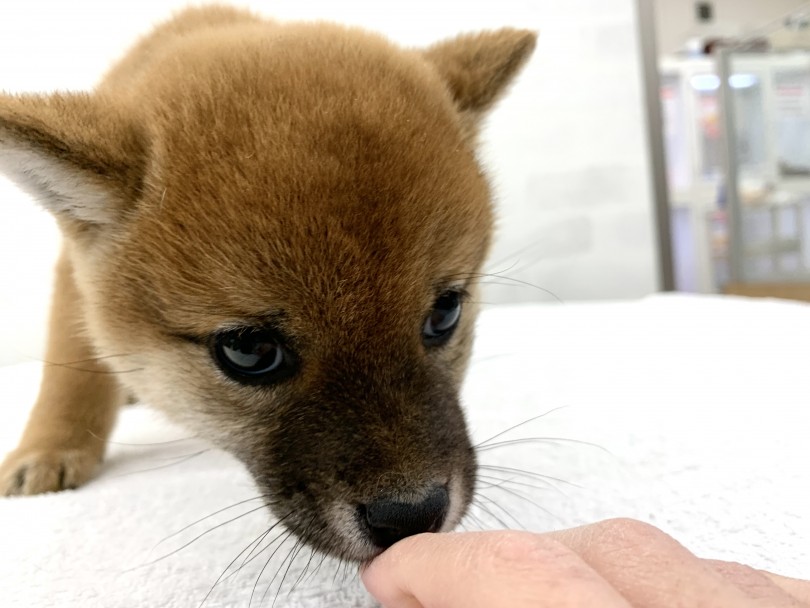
[{"x": 229, "y": 172}]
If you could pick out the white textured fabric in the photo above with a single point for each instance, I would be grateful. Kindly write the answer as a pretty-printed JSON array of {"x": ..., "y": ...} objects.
[{"x": 697, "y": 409}]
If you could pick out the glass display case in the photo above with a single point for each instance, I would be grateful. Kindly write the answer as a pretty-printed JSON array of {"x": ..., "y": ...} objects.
[
  {"x": 767, "y": 161},
  {"x": 737, "y": 137}
]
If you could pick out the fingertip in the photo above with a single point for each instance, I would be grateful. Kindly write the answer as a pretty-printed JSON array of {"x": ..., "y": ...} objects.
[
  {"x": 383, "y": 576},
  {"x": 373, "y": 577},
  {"x": 383, "y": 587},
  {"x": 365, "y": 567}
]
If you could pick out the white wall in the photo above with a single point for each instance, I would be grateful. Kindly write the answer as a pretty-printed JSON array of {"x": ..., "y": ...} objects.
[{"x": 566, "y": 149}]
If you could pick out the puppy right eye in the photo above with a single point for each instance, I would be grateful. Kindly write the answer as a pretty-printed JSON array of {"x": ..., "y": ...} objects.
[
  {"x": 252, "y": 355},
  {"x": 443, "y": 319}
]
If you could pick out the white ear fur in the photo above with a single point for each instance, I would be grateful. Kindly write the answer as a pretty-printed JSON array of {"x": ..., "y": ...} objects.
[
  {"x": 58, "y": 187},
  {"x": 72, "y": 153}
]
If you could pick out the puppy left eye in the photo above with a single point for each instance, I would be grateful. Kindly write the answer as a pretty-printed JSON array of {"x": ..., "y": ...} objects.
[
  {"x": 252, "y": 355},
  {"x": 443, "y": 319}
]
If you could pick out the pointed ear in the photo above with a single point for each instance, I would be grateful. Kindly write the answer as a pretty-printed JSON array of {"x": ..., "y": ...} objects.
[
  {"x": 479, "y": 67},
  {"x": 79, "y": 157}
]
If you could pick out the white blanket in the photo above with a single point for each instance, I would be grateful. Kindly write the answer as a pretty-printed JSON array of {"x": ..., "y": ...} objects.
[{"x": 688, "y": 412}]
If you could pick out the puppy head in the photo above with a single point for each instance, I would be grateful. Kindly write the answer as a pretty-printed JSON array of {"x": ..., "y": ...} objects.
[{"x": 281, "y": 229}]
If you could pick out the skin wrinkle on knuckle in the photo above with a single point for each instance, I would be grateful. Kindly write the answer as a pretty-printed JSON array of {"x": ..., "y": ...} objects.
[
  {"x": 531, "y": 557},
  {"x": 751, "y": 581},
  {"x": 630, "y": 531},
  {"x": 799, "y": 589},
  {"x": 512, "y": 548},
  {"x": 540, "y": 570},
  {"x": 652, "y": 568},
  {"x": 631, "y": 555},
  {"x": 628, "y": 539}
]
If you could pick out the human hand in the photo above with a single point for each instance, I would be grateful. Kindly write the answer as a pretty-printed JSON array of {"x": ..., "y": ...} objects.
[{"x": 610, "y": 564}]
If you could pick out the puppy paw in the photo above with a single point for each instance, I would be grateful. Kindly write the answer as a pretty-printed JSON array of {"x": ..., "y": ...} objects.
[{"x": 34, "y": 471}]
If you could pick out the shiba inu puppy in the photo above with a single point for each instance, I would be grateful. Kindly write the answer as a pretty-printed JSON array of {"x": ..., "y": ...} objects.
[{"x": 273, "y": 233}]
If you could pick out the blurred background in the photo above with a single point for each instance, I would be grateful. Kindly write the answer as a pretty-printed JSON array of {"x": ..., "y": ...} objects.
[{"x": 648, "y": 146}]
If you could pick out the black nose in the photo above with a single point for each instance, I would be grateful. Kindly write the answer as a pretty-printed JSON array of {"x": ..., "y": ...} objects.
[{"x": 391, "y": 520}]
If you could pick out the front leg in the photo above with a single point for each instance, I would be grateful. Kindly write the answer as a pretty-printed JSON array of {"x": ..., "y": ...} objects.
[{"x": 67, "y": 431}]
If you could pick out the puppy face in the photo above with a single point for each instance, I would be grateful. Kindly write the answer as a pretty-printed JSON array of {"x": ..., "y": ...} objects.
[{"x": 287, "y": 255}]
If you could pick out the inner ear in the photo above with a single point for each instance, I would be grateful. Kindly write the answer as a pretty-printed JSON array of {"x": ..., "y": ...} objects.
[
  {"x": 76, "y": 153},
  {"x": 478, "y": 68}
]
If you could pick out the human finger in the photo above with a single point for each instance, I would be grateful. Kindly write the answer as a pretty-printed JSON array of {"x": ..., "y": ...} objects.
[{"x": 485, "y": 570}]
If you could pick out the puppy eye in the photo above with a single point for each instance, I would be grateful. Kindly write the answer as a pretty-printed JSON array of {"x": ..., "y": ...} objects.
[
  {"x": 252, "y": 355},
  {"x": 443, "y": 319}
]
